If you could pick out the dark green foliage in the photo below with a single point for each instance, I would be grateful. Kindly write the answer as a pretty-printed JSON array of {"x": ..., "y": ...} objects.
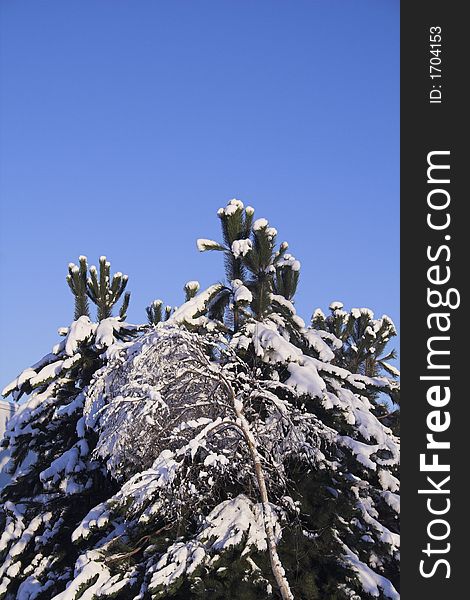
[
  {"x": 287, "y": 273},
  {"x": 250, "y": 256},
  {"x": 104, "y": 291},
  {"x": 236, "y": 225},
  {"x": 77, "y": 280},
  {"x": 309, "y": 548},
  {"x": 364, "y": 339},
  {"x": 364, "y": 350},
  {"x": 218, "y": 307},
  {"x": 124, "y": 306},
  {"x": 234, "y": 579},
  {"x": 156, "y": 313},
  {"x": 236, "y": 222},
  {"x": 259, "y": 264}
]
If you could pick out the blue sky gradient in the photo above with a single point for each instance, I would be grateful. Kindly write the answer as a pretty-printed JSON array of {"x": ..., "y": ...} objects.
[{"x": 125, "y": 125}]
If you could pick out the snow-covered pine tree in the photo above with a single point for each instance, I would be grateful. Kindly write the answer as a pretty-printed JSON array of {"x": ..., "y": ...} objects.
[
  {"x": 55, "y": 479},
  {"x": 354, "y": 342},
  {"x": 364, "y": 339},
  {"x": 364, "y": 350},
  {"x": 246, "y": 462},
  {"x": 258, "y": 276}
]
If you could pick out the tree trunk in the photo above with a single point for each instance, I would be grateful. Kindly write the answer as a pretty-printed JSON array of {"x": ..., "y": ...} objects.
[{"x": 276, "y": 565}]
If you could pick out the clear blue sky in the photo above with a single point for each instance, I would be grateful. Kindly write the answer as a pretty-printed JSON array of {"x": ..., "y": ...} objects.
[{"x": 125, "y": 125}]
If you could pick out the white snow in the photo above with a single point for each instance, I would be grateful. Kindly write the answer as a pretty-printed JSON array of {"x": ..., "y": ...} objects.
[
  {"x": 372, "y": 582},
  {"x": 228, "y": 524},
  {"x": 47, "y": 373},
  {"x": 318, "y": 314},
  {"x": 336, "y": 305},
  {"x": 391, "y": 368},
  {"x": 240, "y": 292},
  {"x": 393, "y": 500},
  {"x": 67, "y": 463},
  {"x": 326, "y": 335},
  {"x": 289, "y": 261},
  {"x": 97, "y": 517},
  {"x": 87, "y": 568},
  {"x": 24, "y": 377},
  {"x": 388, "y": 481},
  {"x": 105, "y": 334},
  {"x": 71, "y": 407},
  {"x": 357, "y": 313},
  {"x": 81, "y": 330},
  {"x": 189, "y": 431},
  {"x": 191, "y": 312},
  {"x": 213, "y": 458},
  {"x": 231, "y": 520},
  {"x": 315, "y": 340},
  {"x": 141, "y": 486},
  {"x": 271, "y": 232},
  {"x": 305, "y": 379},
  {"x": 232, "y": 206},
  {"x": 361, "y": 451},
  {"x": 241, "y": 247},
  {"x": 270, "y": 345},
  {"x": 204, "y": 244},
  {"x": 260, "y": 224},
  {"x": 180, "y": 558}
]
